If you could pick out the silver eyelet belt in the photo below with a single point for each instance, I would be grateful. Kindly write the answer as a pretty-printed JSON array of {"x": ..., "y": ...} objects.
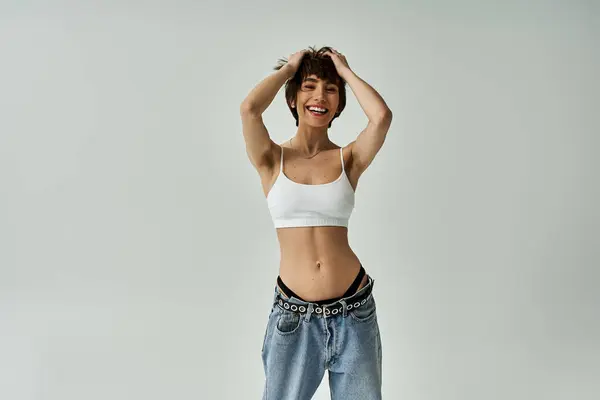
[{"x": 327, "y": 310}]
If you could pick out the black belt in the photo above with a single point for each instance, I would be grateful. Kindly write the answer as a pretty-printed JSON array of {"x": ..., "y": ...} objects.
[{"x": 352, "y": 302}]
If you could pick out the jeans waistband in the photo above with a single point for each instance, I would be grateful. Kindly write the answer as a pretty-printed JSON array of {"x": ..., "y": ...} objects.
[{"x": 341, "y": 306}]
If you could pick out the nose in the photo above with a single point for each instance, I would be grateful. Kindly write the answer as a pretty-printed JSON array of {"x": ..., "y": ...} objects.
[{"x": 320, "y": 92}]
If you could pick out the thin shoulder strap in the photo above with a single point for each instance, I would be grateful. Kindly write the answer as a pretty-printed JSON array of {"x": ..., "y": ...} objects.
[{"x": 342, "y": 157}]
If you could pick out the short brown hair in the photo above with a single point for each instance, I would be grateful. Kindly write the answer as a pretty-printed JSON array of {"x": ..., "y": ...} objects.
[{"x": 317, "y": 63}]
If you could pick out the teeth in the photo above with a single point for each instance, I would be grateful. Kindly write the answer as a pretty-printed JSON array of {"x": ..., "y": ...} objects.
[{"x": 317, "y": 109}]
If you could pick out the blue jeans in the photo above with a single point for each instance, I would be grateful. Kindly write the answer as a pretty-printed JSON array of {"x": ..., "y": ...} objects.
[{"x": 298, "y": 348}]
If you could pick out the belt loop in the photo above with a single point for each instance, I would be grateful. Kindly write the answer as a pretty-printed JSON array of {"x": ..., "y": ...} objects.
[
  {"x": 344, "y": 311},
  {"x": 309, "y": 312}
]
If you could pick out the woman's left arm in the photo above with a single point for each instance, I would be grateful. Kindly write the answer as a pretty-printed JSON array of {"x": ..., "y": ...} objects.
[{"x": 369, "y": 141}]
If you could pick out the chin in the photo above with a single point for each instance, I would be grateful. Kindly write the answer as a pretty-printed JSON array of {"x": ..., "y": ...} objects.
[{"x": 324, "y": 123}]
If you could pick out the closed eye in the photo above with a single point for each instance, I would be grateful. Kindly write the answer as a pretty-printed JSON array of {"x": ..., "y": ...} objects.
[{"x": 331, "y": 89}]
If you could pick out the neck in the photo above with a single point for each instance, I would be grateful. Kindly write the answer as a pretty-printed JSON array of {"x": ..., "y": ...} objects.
[{"x": 310, "y": 139}]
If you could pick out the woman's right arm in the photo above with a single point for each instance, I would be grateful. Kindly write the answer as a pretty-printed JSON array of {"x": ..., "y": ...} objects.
[{"x": 259, "y": 145}]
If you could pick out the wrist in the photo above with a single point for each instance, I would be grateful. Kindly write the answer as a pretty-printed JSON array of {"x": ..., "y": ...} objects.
[
  {"x": 345, "y": 73},
  {"x": 288, "y": 70}
]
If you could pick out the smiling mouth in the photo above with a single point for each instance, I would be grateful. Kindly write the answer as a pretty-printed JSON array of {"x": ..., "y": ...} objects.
[{"x": 317, "y": 113}]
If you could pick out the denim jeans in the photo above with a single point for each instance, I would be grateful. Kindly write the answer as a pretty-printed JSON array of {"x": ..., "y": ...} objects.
[{"x": 298, "y": 348}]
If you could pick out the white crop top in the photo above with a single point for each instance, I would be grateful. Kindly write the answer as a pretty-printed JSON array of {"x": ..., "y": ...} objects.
[{"x": 293, "y": 204}]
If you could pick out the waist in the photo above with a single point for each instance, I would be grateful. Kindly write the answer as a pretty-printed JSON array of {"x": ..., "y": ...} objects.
[
  {"x": 314, "y": 242},
  {"x": 283, "y": 293},
  {"x": 320, "y": 280}
]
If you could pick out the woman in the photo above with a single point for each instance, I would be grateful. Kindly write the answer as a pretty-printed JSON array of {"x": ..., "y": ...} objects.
[{"x": 323, "y": 315}]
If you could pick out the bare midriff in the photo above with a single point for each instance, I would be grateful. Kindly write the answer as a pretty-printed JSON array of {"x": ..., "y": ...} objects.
[{"x": 317, "y": 262}]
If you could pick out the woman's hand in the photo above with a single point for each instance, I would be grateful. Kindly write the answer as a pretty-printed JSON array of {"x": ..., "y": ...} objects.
[
  {"x": 295, "y": 59},
  {"x": 340, "y": 62}
]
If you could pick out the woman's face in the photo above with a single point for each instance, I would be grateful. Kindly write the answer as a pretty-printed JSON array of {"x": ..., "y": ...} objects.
[{"x": 315, "y": 92}]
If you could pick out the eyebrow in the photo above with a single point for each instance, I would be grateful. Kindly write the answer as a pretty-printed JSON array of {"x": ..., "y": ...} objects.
[{"x": 316, "y": 80}]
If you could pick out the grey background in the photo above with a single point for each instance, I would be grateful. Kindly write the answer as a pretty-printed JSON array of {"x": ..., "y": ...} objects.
[{"x": 137, "y": 255}]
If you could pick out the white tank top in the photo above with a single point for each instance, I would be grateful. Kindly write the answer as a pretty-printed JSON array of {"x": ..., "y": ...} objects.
[{"x": 293, "y": 204}]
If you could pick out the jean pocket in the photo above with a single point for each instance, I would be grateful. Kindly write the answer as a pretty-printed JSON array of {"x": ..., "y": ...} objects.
[
  {"x": 365, "y": 312},
  {"x": 288, "y": 322}
]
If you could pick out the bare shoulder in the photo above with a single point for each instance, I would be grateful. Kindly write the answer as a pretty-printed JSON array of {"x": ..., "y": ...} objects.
[{"x": 361, "y": 153}]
